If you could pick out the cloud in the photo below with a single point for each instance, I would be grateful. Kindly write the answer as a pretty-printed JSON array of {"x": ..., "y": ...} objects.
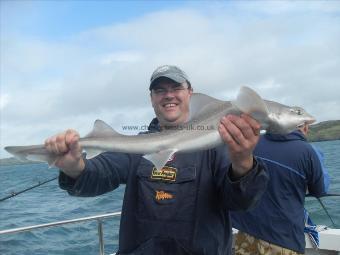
[
  {"x": 288, "y": 52},
  {"x": 4, "y": 100}
]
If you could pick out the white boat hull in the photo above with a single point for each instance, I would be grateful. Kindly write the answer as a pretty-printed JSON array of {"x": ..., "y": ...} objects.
[{"x": 329, "y": 243}]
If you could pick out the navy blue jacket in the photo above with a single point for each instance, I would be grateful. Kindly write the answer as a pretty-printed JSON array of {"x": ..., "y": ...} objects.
[
  {"x": 183, "y": 210},
  {"x": 293, "y": 167}
]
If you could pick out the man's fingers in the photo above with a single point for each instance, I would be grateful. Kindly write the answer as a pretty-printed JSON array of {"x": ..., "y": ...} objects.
[
  {"x": 68, "y": 151},
  {"x": 72, "y": 140},
  {"x": 62, "y": 143},
  {"x": 231, "y": 134},
  {"x": 236, "y": 127},
  {"x": 51, "y": 144},
  {"x": 255, "y": 126},
  {"x": 227, "y": 138}
]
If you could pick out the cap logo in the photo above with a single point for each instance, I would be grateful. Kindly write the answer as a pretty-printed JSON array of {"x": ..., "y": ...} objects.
[{"x": 163, "y": 69}]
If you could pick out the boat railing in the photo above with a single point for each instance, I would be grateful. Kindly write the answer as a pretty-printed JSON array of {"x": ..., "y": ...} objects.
[
  {"x": 329, "y": 239},
  {"x": 98, "y": 218}
]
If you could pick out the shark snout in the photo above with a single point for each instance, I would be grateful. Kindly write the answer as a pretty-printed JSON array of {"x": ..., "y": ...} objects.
[
  {"x": 308, "y": 121},
  {"x": 311, "y": 121}
]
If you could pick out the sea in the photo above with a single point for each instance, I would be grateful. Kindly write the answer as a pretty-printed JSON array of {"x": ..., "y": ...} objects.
[{"x": 48, "y": 203}]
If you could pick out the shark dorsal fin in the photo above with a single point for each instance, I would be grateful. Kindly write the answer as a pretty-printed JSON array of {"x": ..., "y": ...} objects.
[
  {"x": 201, "y": 103},
  {"x": 101, "y": 129},
  {"x": 248, "y": 101}
]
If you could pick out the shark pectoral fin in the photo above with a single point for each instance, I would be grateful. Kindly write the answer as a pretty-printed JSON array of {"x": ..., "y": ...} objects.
[
  {"x": 91, "y": 153},
  {"x": 160, "y": 158},
  {"x": 248, "y": 101}
]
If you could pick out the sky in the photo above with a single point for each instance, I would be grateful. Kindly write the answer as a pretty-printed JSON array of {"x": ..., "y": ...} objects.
[{"x": 64, "y": 64}]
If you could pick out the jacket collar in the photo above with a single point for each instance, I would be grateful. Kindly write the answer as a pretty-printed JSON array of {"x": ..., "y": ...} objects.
[
  {"x": 295, "y": 135},
  {"x": 154, "y": 126}
]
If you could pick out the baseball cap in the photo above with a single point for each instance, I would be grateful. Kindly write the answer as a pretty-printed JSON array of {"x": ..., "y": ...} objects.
[{"x": 172, "y": 72}]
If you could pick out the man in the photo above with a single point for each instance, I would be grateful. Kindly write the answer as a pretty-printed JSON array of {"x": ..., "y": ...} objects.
[
  {"x": 304, "y": 130},
  {"x": 186, "y": 214},
  {"x": 276, "y": 225}
]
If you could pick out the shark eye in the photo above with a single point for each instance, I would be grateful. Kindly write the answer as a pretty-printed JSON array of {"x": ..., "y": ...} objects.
[{"x": 297, "y": 111}]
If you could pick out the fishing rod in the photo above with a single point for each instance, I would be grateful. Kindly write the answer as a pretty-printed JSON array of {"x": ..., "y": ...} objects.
[
  {"x": 323, "y": 206},
  {"x": 13, "y": 194},
  {"x": 326, "y": 211}
]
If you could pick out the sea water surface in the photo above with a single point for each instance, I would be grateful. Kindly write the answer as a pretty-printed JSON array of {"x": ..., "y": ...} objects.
[{"x": 48, "y": 203}]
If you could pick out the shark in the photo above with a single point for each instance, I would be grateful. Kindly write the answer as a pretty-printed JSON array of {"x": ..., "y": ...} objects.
[{"x": 200, "y": 132}]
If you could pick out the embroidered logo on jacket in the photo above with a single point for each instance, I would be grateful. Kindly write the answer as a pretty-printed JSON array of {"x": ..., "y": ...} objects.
[
  {"x": 162, "y": 195},
  {"x": 165, "y": 174}
]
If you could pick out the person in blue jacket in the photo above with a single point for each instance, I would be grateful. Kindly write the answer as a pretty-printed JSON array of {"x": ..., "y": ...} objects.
[
  {"x": 184, "y": 209},
  {"x": 276, "y": 225}
]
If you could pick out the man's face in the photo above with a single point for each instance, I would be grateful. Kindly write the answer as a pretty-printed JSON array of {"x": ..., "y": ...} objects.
[{"x": 171, "y": 102}]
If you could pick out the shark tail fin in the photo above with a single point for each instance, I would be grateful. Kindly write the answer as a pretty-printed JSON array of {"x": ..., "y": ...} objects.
[
  {"x": 249, "y": 102},
  {"x": 160, "y": 158},
  {"x": 16, "y": 152},
  {"x": 32, "y": 153}
]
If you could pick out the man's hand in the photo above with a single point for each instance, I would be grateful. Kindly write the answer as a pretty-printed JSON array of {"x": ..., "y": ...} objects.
[
  {"x": 66, "y": 146},
  {"x": 241, "y": 134}
]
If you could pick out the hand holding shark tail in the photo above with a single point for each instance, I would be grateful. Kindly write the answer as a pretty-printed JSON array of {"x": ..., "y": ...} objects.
[
  {"x": 62, "y": 150},
  {"x": 204, "y": 111},
  {"x": 68, "y": 152}
]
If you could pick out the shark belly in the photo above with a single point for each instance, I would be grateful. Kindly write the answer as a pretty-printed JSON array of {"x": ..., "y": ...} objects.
[{"x": 197, "y": 140}]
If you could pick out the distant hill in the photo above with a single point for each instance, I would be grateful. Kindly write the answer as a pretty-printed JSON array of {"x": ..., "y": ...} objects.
[
  {"x": 324, "y": 131},
  {"x": 14, "y": 161}
]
